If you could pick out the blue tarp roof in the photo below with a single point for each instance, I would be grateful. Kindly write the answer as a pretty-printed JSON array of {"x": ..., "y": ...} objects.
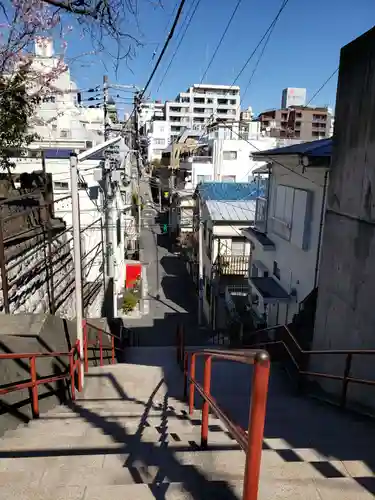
[
  {"x": 314, "y": 149},
  {"x": 65, "y": 153},
  {"x": 228, "y": 191}
]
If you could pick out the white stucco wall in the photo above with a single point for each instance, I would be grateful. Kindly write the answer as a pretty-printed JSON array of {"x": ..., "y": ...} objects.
[{"x": 297, "y": 266}]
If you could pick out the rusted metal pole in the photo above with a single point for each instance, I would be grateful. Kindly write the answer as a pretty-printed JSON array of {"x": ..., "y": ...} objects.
[
  {"x": 206, "y": 406},
  {"x": 34, "y": 388},
  {"x": 191, "y": 387},
  {"x": 257, "y": 418},
  {"x": 4, "y": 275}
]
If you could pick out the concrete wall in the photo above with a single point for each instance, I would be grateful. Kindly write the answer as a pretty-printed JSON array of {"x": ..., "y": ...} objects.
[
  {"x": 345, "y": 316},
  {"x": 297, "y": 266}
]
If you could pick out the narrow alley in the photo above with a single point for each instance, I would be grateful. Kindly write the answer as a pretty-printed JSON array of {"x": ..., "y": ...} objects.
[{"x": 171, "y": 294}]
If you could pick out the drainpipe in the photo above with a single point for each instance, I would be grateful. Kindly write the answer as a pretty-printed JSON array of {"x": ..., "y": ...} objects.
[{"x": 321, "y": 224}]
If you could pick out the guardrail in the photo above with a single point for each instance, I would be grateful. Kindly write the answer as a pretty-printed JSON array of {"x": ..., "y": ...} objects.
[
  {"x": 72, "y": 375},
  {"x": 251, "y": 441},
  {"x": 74, "y": 366},
  {"x": 282, "y": 336}
]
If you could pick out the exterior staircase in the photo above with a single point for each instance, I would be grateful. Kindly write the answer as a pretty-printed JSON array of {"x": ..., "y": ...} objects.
[{"x": 129, "y": 435}]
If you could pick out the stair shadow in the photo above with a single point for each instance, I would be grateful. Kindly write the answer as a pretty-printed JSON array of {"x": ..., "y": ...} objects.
[{"x": 135, "y": 450}]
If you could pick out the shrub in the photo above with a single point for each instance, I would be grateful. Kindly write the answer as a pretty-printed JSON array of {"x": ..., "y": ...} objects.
[{"x": 129, "y": 303}]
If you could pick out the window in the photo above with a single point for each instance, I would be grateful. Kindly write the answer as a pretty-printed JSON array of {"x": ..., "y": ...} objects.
[
  {"x": 64, "y": 133},
  {"x": 60, "y": 185},
  {"x": 210, "y": 101},
  {"x": 254, "y": 271},
  {"x": 209, "y": 244},
  {"x": 293, "y": 215},
  {"x": 228, "y": 178},
  {"x": 276, "y": 270},
  {"x": 233, "y": 102},
  {"x": 238, "y": 247},
  {"x": 159, "y": 142},
  {"x": 229, "y": 155}
]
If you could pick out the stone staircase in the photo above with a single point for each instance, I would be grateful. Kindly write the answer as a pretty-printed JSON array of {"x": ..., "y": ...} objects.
[{"x": 129, "y": 436}]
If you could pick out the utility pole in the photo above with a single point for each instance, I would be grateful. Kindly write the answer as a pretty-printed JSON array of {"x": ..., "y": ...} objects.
[
  {"x": 200, "y": 266},
  {"x": 138, "y": 159},
  {"x": 108, "y": 211},
  {"x": 77, "y": 253}
]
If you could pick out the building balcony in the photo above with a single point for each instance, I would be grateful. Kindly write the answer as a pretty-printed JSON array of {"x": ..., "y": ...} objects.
[{"x": 235, "y": 265}]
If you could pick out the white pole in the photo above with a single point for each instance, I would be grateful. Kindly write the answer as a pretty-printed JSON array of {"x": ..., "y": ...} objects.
[
  {"x": 200, "y": 269},
  {"x": 77, "y": 254}
]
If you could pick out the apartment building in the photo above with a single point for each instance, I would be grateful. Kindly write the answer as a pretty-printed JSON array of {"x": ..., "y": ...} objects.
[
  {"x": 202, "y": 103},
  {"x": 150, "y": 111},
  {"x": 157, "y": 139},
  {"x": 298, "y": 122}
]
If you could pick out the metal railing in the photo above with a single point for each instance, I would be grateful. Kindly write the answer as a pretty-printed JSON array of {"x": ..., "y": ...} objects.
[
  {"x": 73, "y": 373},
  {"x": 281, "y": 335},
  {"x": 231, "y": 264},
  {"x": 250, "y": 441}
]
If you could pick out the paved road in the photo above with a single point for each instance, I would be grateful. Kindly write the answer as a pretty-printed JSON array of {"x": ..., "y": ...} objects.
[{"x": 171, "y": 292}]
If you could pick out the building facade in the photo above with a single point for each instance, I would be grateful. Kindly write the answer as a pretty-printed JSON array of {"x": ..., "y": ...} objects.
[
  {"x": 200, "y": 104},
  {"x": 158, "y": 138},
  {"x": 293, "y": 97},
  {"x": 297, "y": 122},
  {"x": 287, "y": 234}
]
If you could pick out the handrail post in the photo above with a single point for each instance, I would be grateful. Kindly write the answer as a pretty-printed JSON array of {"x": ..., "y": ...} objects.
[
  {"x": 113, "y": 349},
  {"x": 191, "y": 386},
  {"x": 206, "y": 406},
  {"x": 85, "y": 345},
  {"x": 71, "y": 371},
  {"x": 101, "y": 347},
  {"x": 345, "y": 382},
  {"x": 34, "y": 388},
  {"x": 257, "y": 417},
  {"x": 186, "y": 369},
  {"x": 79, "y": 368}
]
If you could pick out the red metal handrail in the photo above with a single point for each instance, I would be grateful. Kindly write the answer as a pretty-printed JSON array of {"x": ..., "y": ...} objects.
[
  {"x": 346, "y": 378},
  {"x": 250, "y": 441},
  {"x": 74, "y": 366},
  {"x": 98, "y": 341}
]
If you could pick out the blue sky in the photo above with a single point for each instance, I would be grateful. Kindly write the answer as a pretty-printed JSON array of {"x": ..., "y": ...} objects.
[{"x": 303, "y": 51}]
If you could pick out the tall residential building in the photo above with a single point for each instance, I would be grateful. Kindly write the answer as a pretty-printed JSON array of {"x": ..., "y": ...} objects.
[
  {"x": 293, "y": 97},
  {"x": 297, "y": 122},
  {"x": 150, "y": 110},
  {"x": 200, "y": 104}
]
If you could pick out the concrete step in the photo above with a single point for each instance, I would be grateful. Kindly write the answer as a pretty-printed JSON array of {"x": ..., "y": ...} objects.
[{"x": 169, "y": 491}]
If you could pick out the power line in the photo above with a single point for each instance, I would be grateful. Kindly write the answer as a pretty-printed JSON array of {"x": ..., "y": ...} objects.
[
  {"x": 169, "y": 38},
  {"x": 221, "y": 39},
  {"x": 265, "y": 35},
  {"x": 180, "y": 42},
  {"x": 322, "y": 86},
  {"x": 261, "y": 53}
]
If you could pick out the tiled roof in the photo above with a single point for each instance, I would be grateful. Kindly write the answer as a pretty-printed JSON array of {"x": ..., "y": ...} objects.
[
  {"x": 227, "y": 191},
  {"x": 314, "y": 149}
]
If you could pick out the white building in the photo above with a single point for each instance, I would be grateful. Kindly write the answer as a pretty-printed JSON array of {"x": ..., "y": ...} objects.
[
  {"x": 222, "y": 156},
  {"x": 224, "y": 209},
  {"x": 286, "y": 237},
  {"x": 148, "y": 111},
  {"x": 200, "y": 104},
  {"x": 57, "y": 163},
  {"x": 293, "y": 97},
  {"x": 157, "y": 139},
  {"x": 58, "y": 115}
]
